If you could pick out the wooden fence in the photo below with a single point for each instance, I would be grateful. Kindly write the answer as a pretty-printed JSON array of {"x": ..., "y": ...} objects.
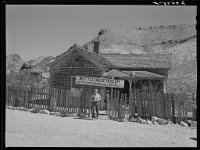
[
  {"x": 117, "y": 105},
  {"x": 173, "y": 106},
  {"x": 27, "y": 96},
  {"x": 46, "y": 98}
]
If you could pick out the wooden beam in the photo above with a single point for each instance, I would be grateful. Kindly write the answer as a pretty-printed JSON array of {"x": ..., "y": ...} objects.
[
  {"x": 164, "y": 87},
  {"x": 131, "y": 99}
]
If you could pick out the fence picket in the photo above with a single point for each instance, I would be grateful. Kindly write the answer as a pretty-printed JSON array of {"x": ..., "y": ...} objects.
[
  {"x": 118, "y": 105},
  {"x": 62, "y": 96},
  {"x": 25, "y": 97},
  {"x": 67, "y": 101},
  {"x": 40, "y": 101},
  {"x": 43, "y": 97},
  {"x": 64, "y": 100},
  {"x": 156, "y": 104},
  {"x": 111, "y": 102},
  {"x": 164, "y": 106},
  {"x": 89, "y": 104},
  {"x": 179, "y": 107},
  {"x": 124, "y": 106},
  {"x": 147, "y": 105},
  {"x": 37, "y": 95},
  {"x": 38, "y": 98},
  {"x": 115, "y": 101},
  {"x": 76, "y": 106},
  {"x": 70, "y": 102},
  {"x": 54, "y": 100},
  {"x": 168, "y": 101},
  {"x": 46, "y": 97}
]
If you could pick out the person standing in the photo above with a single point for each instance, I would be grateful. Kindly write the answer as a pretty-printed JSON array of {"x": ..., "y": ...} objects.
[{"x": 96, "y": 97}]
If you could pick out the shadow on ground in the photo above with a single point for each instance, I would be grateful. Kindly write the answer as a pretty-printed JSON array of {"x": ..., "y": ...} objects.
[
  {"x": 101, "y": 117},
  {"x": 83, "y": 118},
  {"x": 194, "y": 139}
]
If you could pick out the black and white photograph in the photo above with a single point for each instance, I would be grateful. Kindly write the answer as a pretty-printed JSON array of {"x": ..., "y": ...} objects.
[{"x": 101, "y": 75}]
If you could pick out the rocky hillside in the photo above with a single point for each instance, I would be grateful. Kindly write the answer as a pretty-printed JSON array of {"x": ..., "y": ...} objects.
[
  {"x": 40, "y": 61},
  {"x": 13, "y": 62},
  {"x": 143, "y": 40},
  {"x": 180, "y": 40}
]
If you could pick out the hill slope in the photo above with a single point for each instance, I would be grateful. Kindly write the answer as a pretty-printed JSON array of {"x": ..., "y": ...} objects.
[
  {"x": 40, "y": 61},
  {"x": 13, "y": 62},
  {"x": 143, "y": 40}
]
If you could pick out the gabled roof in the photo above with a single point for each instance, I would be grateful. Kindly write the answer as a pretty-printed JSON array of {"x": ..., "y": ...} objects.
[
  {"x": 91, "y": 56},
  {"x": 139, "y": 60},
  {"x": 134, "y": 75},
  {"x": 120, "y": 61},
  {"x": 25, "y": 66},
  {"x": 31, "y": 68},
  {"x": 35, "y": 70}
]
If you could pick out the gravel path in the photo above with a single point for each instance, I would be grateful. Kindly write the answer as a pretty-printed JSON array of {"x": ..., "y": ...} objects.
[{"x": 39, "y": 130}]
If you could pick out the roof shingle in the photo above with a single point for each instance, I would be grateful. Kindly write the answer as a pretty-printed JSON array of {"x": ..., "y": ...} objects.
[
  {"x": 134, "y": 74},
  {"x": 140, "y": 60}
]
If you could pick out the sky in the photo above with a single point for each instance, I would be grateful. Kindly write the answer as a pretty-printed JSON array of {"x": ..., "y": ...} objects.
[{"x": 49, "y": 30}]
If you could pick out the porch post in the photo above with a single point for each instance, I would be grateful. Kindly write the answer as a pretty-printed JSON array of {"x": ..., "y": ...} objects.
[
  {"x": 102, "y": 98},
  {"x": 111, "y": 102},
  {"x": 164, "y": 87},
  {"x": 131, "y": 99}
]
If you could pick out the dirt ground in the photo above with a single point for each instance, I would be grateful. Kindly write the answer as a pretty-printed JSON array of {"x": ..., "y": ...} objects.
[{"x": 25, "y": 129}]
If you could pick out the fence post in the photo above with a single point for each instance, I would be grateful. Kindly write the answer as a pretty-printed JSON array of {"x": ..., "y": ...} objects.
[
  {"x": 116, "y": 99},
  {"x": 139, "y": 105},
  {"x": 50, "y": 98},
  {"x": 62, "y": 97},
  {"x": 118, "y": 105},
  {"x": 164, "y": 106},
  {"x": 183, "y": 98},
  {"x": 54, "y": 100},
  {"x": 179, "y": 107},
  {"x": 89, "y": 93},
  {"x": 67, "y": 101},
  {"x": 131, "y": 105},
  {"x": 26, "y": 97},
  {"x": 120, "y": 108},
  {"x": 111, "y": 106},
  {"x": 169, "y": 106},
  {"x": 173, "y": 109}
]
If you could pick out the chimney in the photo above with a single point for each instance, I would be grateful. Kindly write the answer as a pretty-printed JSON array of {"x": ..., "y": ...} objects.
[{"x": 96, "y": 46}]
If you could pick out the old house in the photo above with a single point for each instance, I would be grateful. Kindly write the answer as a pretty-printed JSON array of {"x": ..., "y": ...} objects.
[
  {"x": 31, "y": 71},
  {"x": 133, "y": 68}
]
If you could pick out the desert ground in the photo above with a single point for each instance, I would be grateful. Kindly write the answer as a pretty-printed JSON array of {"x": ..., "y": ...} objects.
[{"x": 25, "y": 129}]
